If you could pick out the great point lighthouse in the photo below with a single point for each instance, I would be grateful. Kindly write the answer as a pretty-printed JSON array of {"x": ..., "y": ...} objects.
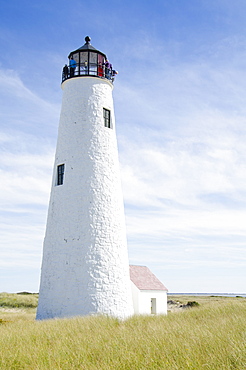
[{"x": 85, "y": 267}]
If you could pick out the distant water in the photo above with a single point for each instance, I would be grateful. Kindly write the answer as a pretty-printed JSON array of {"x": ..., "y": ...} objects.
[{"x": 211, "y": 294}]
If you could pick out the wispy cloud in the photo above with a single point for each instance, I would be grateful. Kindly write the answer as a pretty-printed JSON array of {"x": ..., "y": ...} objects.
[
  {"x": 27, "y": 151},
  {"x": 180, "y": 113},
  {"x": 183, "y": 164}
]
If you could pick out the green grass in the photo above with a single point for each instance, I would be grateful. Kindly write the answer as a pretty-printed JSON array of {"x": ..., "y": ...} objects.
[{"x": 209, "y": 336}]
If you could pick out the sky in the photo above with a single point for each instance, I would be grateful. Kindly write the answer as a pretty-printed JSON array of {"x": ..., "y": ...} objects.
[{"x": 181, "y": 128}]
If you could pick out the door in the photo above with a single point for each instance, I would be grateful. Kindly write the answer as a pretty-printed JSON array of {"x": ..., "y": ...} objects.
[{"x": 153, "y": 306}]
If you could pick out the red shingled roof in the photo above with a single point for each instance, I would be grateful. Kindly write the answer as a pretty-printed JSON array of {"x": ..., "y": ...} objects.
[{"x": 143, "y": 278}]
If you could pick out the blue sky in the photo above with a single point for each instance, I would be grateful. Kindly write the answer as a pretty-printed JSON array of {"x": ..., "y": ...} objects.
[{"x": 181, "y": 127}]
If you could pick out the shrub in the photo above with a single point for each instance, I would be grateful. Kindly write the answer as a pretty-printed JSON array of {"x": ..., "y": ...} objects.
[{"x": 192, "y": 304}]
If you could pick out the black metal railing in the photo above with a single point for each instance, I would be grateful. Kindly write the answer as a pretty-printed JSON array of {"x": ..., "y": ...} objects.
[{"x": 94, "y": 70}]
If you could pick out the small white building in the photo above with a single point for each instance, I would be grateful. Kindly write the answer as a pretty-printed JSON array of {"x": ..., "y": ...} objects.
[{"x": 148, "y": 293}]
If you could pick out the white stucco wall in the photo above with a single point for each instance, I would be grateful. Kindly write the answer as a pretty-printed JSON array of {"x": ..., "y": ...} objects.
[
  {"x": 135, "y": 298},
  {"x": 142, "y": 300},
  {"x": 85, "y": 268}
]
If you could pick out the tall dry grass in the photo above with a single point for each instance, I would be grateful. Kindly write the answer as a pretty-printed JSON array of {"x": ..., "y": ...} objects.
[
  {"x": 212, "y": 336},
  {"x": 18, "y": 300}
]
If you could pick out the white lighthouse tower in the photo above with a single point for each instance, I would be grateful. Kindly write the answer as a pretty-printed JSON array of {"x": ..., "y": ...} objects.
[{"x": 85, "y": 268}]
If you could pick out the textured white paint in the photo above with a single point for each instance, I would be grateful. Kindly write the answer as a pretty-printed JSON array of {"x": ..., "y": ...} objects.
[
  {"x": 85, "y": 267},
  {"x": 142, "y": 300}
]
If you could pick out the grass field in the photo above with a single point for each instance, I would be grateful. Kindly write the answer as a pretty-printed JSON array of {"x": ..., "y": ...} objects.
[{"x": 210, "y": 336}]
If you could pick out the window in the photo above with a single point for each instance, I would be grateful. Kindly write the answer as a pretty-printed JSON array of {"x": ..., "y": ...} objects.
[
  {"x": 107, "y": 118},
  {"x": 60, "y": 174}
]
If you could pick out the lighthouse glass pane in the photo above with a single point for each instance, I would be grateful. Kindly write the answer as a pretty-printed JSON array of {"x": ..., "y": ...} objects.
[
  {"x": 83, "y": 62},
  {"x": 100, "y": 65},
  {"x": 93, "y": 58},
  {"x": 83, "y": 57},
  {"x": 60, "y": 174},
  {"x": 76, "y": 57},
  {"x": 74, "y": 71},
  {"x": 93, "y": 64}
]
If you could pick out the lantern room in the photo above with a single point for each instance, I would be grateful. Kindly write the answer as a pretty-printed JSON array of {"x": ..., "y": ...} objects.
[{"x": 88, "y": 61}]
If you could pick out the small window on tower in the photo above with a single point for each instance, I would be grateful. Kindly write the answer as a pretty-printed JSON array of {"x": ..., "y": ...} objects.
[
  {"x": 107, "y": 118},
  {"x": 60, "y": 174}
]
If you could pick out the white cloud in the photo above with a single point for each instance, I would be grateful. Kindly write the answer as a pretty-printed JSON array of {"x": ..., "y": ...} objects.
[
  {"x": 22, "y": 111},
  {"x": 27, "y": 152},
  {"x": 183, "y": 166},
  {"x": 181, "y": 130}
]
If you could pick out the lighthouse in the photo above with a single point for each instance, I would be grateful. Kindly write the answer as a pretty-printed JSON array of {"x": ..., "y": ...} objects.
[{"x": 85, "y": 268}]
